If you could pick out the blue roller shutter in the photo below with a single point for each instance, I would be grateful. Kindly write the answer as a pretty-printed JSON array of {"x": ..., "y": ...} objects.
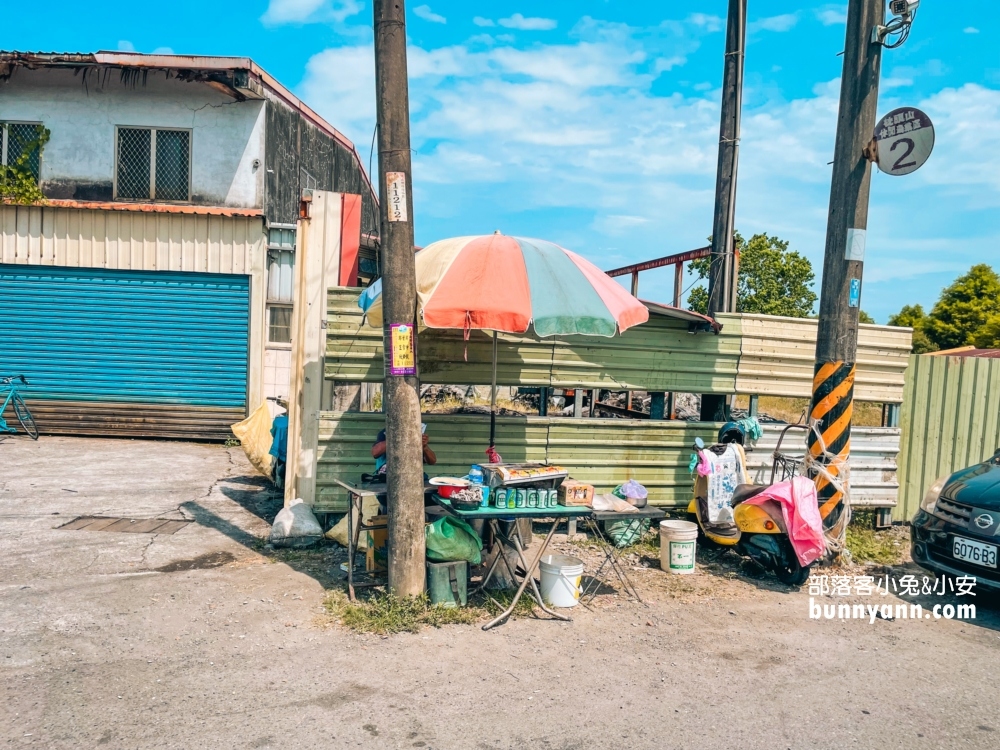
[{"x": 127, "y": 352}]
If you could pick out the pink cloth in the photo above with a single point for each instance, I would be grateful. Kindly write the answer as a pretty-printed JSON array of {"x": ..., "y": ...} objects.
[
  {"x": 704, "y": 463},
  {"x": 800, "y": 509}
]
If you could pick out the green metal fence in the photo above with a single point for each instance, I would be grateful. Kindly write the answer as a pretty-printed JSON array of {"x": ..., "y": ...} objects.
[
  {"x": 660, "y": 355},
  {"x": 950, "y": 420},
  {"x": 761, "y": 354},
  {"x": 603, "y": 452}
]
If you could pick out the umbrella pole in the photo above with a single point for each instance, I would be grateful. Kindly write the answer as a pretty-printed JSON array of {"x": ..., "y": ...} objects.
[{"x": 493, "y": 395}]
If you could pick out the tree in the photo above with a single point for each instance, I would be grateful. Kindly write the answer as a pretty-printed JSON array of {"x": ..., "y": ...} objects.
[
  {"x": 988, "y": 336},
  {"x": 864, "y": 317},
  {"x": 965, "y": 308},
  {"x": 913, "y": 316},
  {"x": 773, "y": 279}
]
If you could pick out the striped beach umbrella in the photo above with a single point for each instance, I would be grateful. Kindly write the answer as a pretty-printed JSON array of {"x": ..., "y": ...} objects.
[{"x": 510, "y": 284}]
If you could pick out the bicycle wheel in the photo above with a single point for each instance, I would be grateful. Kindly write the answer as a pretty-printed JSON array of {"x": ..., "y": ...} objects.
[{"x": 24, "y": 416}]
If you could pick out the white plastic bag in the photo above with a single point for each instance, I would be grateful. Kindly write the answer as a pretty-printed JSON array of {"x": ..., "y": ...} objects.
[
  {"x": 295, "y": 526},
  {"x": 608, "y": 502},
  {"x": 632, "y": 490}
]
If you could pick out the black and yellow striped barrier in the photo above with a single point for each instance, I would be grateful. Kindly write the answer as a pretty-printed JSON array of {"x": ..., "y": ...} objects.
[{"x": 833, "y": 406}]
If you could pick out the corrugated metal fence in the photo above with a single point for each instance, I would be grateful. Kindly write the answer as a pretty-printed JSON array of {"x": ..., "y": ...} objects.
[
  {"x": 874, "y": 452},
  {"x": 604, "y": 452},
  {"x": 753, "y": 354},
  {"x": 950, "y": 420},
  {"x": 778, "y": 355}
]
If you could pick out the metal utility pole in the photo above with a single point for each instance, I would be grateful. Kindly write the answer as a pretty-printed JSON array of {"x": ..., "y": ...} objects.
[
  {"x": 404, "y": 451},
  {"x": 840, "y": 300},
  {"x": 722, "y": 273},
  {"x": 722, "y": 276}
]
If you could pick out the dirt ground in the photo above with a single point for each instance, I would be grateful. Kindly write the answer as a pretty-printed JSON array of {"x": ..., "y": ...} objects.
[{"x": 205, "y": 639}]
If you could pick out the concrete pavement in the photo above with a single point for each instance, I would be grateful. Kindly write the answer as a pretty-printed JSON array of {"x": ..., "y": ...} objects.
[{"x": 202, "y": 639}]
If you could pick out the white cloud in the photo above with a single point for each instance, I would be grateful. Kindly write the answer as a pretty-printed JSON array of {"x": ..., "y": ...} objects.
[
  {"x": 340, "y": 84},
  {"x": 831, "y": 15},
  {"x": 126, "y": 46},
  {"x": 480, "y": 21},
  {"x": 784, "y": 22},
  {"x": 966, "y": 154},
  {"x": 310, "y": 11},
  {"x": 905, "y": 75},
  {"x": 425, "y": 12},
  {"x": 707, "y": 22},
  {"x": 517, "y": 21},
  {"x": 970, "y": 30},
  {"x": 524, "y": 138}
]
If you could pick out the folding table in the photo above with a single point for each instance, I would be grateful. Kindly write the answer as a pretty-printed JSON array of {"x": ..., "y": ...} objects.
[
  {"x": 492, "y": 516},
  {"x": 612, "y": 554}
]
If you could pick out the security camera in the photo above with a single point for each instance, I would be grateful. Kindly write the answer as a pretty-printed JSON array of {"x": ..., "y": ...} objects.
[
  {"x": 903, "y": 8},
  {"x": 894, "y": 33}
]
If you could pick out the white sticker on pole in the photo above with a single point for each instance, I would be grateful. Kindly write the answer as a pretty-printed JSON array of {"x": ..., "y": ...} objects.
[
  {"x": 905, "y": 138},
  {"x": 855, "y": 244},
  {"x": 395, "y": 194}
]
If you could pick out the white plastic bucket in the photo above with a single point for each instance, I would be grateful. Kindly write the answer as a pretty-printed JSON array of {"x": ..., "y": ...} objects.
[
  {"x": 561, "y": 576},
  {"x": 677, "y": 543}
]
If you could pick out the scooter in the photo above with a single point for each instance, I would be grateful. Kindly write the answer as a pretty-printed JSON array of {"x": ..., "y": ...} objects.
[{"x": 756, "y": 531}]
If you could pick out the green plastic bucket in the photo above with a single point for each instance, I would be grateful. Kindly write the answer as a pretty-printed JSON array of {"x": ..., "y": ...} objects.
[{"x": 448, "y": 583}]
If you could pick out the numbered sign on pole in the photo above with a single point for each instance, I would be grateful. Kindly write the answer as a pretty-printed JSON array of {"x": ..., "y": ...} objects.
[{"x": 905, "y": 138}]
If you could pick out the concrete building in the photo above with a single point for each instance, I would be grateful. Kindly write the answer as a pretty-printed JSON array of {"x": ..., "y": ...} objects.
[{"x": 150, "y": 293}]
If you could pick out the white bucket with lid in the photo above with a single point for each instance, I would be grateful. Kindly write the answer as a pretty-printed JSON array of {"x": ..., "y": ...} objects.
[
  {"x": 677, "y": 546},
  {"x": 561, "y": 576}
]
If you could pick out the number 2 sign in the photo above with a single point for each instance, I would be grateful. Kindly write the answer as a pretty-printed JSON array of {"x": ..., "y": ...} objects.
[{"x": 905, "y": 138}]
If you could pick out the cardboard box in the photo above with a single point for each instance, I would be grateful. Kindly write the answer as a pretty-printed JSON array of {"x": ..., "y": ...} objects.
[
  {"x": 376, "y": 557},
  {"x": 572, "y": 492}
]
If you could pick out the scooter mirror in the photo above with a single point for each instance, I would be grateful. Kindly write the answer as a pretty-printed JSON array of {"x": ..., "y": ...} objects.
[{"x": 699, "y": 443}]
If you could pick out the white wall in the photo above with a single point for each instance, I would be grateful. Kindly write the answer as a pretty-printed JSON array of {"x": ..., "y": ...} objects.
[{"x": 82, "y": 114}]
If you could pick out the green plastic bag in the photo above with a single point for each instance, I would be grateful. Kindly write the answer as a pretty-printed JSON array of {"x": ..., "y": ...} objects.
[
  {"x": 626, "y": 532},
  {"x": 450, "y": 539}
]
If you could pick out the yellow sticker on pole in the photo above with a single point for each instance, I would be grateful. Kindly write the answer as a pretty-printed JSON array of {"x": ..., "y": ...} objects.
[{"x": 402, "y": 360}]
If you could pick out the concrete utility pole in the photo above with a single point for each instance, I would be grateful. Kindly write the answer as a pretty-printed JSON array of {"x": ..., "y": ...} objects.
[
  {"x": 723, "y": 272},
  {"x": 840, "y": 300},
  {"x": 722, "y": 276},
  {"x": 404, "y": 452}
]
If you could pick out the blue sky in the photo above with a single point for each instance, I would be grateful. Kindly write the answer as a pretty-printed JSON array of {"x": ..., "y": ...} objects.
[{"x": 595, "y": 125}]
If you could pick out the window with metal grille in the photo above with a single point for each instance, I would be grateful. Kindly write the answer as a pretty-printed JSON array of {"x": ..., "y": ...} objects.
[
  {"x": 153, "y": 164},
  {"x": 279, "y": 328},
  {"x": 19, "y": 145}
]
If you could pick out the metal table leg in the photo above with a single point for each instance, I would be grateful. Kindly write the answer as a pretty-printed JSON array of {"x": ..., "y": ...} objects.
[
  {"x": 534, "y": 587},
  {"x": 494, "y": 527},
  {"x": 612, "y": 557},
  {"x": 353, "y": 535},
  {"x": 528, "y": 577}
]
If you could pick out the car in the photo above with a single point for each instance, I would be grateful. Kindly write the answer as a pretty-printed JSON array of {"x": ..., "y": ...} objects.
[{"x": 956, "y": 532}]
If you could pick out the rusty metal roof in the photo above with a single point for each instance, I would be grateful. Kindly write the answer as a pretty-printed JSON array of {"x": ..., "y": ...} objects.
[
  {"x": 971, "y": 352},
  {"x": 153, "y": 208},
  {"x": 191, "y": 64},
  {"x": 696, "y": 319}
]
